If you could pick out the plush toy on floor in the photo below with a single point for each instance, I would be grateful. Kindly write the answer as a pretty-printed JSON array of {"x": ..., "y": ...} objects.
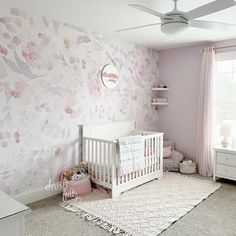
[
  {"x": 75, "y": 181},
  {"x": 82, "y": 168}
]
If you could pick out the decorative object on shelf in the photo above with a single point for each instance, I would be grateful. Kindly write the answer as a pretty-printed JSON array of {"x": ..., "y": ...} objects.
[
  {"x": 188, "y": 167},
  {"x": 160, "y": 89},
  {"x": 109, "y": 76},
  {"x": 225, "y": 132},
  {"x": 160, "y": 86}
]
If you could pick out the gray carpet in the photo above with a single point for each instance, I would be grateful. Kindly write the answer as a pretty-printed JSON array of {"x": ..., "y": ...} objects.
[{"x": 216, "y": 216}]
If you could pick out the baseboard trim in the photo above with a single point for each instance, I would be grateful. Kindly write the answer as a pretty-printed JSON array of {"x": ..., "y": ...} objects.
[{"x": 39, "y": 194}]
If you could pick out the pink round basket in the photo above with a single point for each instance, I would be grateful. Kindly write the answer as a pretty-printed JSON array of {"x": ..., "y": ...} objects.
[{"x": 79, "y": 188}]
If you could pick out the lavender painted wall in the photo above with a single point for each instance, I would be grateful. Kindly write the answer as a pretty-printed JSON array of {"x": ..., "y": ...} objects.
[{"x": 179, "y": 69}]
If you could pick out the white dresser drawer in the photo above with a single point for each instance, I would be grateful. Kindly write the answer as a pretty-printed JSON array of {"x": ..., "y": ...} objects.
[
  {"x": 226, "y": 159},
  {"x": 226, "y": 171}
]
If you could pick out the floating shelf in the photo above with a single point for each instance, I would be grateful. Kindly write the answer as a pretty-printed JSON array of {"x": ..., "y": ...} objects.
[
  {"x": 159, "y": 103},
  {"x": 160, "y": 89}
]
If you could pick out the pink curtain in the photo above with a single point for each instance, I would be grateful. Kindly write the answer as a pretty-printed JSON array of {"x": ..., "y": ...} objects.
[{"x": 205, "y": 114}]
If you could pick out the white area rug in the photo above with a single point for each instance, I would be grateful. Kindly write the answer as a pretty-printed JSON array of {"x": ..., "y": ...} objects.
[{"x": 146, "y": 210}]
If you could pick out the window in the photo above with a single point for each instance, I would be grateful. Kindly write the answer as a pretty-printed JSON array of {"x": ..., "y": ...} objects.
[{"x": 225, "y": 94}]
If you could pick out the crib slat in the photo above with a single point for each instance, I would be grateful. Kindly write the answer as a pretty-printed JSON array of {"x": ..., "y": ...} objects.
[
  {"x": 96, "y": 159},
  {"x": 161, "y": 154},
  {"x": 92, "y": 157},
  {"x": 88, "y": 157},
  {"x": 146, "y": 156},
  {"x": 155, "y": 153},
  {"x": 109, "y": 163},
  {"x": 100, "y": 160},
  {"x": 104, "y": 162},
  {"x": 151, "y": 154}
]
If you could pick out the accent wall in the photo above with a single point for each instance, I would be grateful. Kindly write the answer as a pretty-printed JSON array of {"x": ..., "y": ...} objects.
[{"x": 50, "y": 82}]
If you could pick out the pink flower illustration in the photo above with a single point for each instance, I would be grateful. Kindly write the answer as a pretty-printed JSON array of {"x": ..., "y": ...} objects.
[
  {"x": 141, "y": 71},
  {"x": 16, "y": 40},
  {"x": 67, "y": 105},
  {"x": 5, "y": 20},
  {"x": 15, "y": 92},
  {"x": 36, "y": 55},
  {"x": 6, "y": 36},
  {"x": 18, "y": 22},
  {"x": 3, "y": 50},
  {"x": 17, "y": 137},
  {"x": 20, "y": 90},
  {"x": 58, "y": 151},
  {"x": 30, "y": 53},
  {"x": 15, "y": 12}
]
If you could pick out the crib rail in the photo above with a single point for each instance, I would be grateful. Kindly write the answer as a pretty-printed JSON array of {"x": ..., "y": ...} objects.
[{"x": 101, "y": 158}]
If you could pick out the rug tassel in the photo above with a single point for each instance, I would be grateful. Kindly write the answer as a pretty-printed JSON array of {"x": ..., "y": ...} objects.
[{"x": 89, "y": 217}]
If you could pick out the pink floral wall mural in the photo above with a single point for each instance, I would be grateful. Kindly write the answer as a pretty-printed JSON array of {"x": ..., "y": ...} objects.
[{"x": 50, "y": 83}]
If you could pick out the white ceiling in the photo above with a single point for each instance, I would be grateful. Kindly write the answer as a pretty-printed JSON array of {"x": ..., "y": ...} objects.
[{"x": 107, "y": 16}]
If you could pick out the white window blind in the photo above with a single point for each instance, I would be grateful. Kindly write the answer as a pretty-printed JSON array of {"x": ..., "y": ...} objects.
[{"x": 225, "y": 92}]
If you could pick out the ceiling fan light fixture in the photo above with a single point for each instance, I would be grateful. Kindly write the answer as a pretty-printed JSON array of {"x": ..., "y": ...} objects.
[{"x": 175, "y": 27}]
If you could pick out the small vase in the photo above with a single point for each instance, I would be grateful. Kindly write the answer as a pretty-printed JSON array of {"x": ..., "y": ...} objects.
[{"x": 225, "y": 142}]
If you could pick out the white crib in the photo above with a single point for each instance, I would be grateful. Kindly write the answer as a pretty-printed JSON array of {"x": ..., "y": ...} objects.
[{"x": 100, "y": 151}]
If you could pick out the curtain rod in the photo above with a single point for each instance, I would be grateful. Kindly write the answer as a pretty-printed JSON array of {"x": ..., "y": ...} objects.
[
  {"x": 217, "y": 48},
  {"x": 231, "y": 46}
]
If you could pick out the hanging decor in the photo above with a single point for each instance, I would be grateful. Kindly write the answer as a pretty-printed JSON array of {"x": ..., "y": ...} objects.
[{"x": 110, "y": 76}]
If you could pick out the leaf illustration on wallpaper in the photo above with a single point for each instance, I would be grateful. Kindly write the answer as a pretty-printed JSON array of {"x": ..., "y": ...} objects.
[
  {"x": 83, "y": 39},
  {"x": 20, "y": 67},
  {"x": 57, "y": 91},
  {"x": 25, "y": 70},
  {"x": 3, "y": 72},
  {"x": 7, "y": 120},
  {"x": 44, "y": 107},
  {"x": 12, "y": 65}
]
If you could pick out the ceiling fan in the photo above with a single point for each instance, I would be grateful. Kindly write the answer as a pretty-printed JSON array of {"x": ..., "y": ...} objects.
[{"x": 177, "y": 21}]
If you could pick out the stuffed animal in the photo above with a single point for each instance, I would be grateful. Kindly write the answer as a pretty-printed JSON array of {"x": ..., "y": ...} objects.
[
  {"x": 66, "y": 175},
  {"x": 82, "y": 168},
  {"x": 77, "y": 177}
]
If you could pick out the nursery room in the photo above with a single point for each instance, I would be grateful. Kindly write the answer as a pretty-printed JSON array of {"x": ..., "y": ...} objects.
[{"x": 118, "y": 118}]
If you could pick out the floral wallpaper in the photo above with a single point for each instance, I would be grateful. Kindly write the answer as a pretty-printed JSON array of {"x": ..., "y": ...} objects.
[{"x": 50, "y": 83}]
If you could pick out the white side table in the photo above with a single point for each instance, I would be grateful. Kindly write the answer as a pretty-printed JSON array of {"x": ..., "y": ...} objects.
[
  {"x": 12, "y": 216},
  {"x": 225, "y": 163}
]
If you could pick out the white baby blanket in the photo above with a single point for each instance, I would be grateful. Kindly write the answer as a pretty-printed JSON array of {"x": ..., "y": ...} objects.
[{"x": 131, "y": 151}]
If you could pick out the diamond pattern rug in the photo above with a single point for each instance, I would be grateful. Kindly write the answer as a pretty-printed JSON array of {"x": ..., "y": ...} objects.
[{"x": 146, "y": 210}]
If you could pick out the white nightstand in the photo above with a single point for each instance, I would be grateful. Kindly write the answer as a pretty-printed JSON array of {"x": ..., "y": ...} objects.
[
  {"x": 225, "y": 163},
  {"x": 12, "y": 215}
]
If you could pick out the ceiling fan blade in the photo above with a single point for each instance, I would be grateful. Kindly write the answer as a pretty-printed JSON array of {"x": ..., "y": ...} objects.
[
  {"x": 212, "y": 25},
  {"x": 146, "y": 9},
  {"x": 137, "y": 27},
  {"x": 210, "y": 8}
]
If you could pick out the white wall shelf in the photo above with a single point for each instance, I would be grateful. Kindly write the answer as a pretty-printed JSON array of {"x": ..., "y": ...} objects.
[
  {"x": 155, "y": 101},
  {"x": 159, "y": 103},
  {"x": 160, "y": 89}
]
